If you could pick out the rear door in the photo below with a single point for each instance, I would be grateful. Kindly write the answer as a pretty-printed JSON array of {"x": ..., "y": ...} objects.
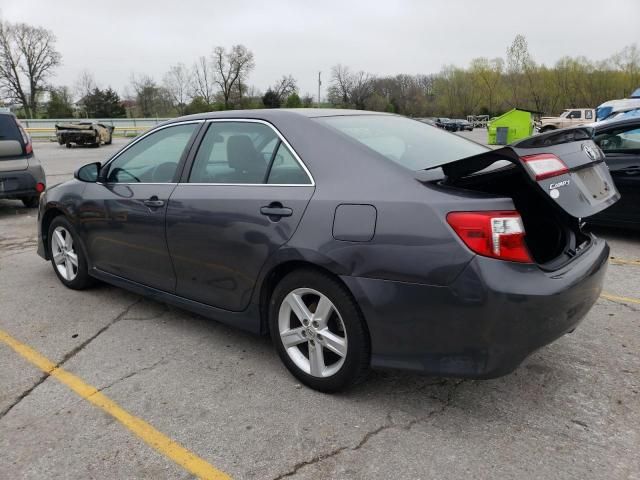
[{"x": 241, "y": 198}]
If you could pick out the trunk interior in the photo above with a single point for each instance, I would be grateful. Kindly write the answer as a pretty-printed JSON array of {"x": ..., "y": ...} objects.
[{"x": 552, "y": 236}]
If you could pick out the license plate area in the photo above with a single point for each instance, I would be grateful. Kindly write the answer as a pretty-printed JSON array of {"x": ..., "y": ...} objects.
[{"x": 594, "y": 184}]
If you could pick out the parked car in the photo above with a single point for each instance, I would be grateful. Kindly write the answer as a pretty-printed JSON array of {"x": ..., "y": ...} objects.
[
  {"x": 571, "y": 117},
  {"x": 84, "y": 133},
  {"x": 620, "y": 142},
  {"x": 607, "y": 109},
  {"x": 447, "y": 124},
  {"x": 355, "y": 239},
  {"x": 463, "y": 125},
  {"x": 21, "y": 175}
]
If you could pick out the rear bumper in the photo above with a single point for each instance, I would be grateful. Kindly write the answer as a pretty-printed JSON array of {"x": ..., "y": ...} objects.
[
  {"x": 18, "y": 184},
  {"x": 484, "y": 324}
]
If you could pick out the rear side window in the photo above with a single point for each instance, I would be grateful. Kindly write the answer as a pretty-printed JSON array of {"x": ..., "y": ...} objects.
[
  {"x": 245, "y": 153},
  {"x": 588, "y": 115},
  {"x": 285, "y": 169},
  {"x": 412, "y": 144},
  {"x": 234, "y": 152}
]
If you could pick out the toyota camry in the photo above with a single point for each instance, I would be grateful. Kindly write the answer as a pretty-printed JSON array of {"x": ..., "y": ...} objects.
[{"x": 355, "y": 239}]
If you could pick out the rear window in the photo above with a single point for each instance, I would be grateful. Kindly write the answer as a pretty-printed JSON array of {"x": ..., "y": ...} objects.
[
  {"x": 8, "y": 128},
  {"x": 412, "y": 144}
]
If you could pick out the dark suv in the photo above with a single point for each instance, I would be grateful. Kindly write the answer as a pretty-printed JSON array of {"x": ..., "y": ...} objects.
[{"x": 21, "y": 175}]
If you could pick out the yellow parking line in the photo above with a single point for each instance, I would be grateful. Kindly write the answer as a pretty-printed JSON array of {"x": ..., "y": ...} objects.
[
  {"x": 622, "y": 261},
  {"x": 616, "y": 298},
  {"x": 163, "y": 444}
]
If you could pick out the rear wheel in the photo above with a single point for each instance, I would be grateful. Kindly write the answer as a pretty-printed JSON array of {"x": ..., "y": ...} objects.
[
  {"x": 30, "y": 202},
  {"x": 67, "y": 258},
  {"x": 318, "y": 331}
]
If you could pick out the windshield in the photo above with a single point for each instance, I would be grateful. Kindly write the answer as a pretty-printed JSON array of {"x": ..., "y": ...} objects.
[
  {"x": 603, "y": 112},
  {"x": 414, "y": 145}
]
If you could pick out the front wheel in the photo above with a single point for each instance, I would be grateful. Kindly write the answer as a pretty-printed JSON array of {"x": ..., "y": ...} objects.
[
  {"x": 318, "y": 331},
  {"x": 67, "y": 257}
]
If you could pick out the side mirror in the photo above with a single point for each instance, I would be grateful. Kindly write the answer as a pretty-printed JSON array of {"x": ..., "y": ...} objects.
[{"x": 88, "y": 173}]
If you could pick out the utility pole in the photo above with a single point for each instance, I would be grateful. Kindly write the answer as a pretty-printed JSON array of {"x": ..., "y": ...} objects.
[{"x": 319, "y": 84}]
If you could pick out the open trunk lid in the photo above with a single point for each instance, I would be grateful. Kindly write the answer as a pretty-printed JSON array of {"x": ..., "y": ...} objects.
[{"x": 566, "y": 165}]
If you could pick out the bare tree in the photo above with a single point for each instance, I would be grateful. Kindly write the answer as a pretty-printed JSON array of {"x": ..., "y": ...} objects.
[
  {"x": 176, "y": 82},
  {"x": 285, "y": 87},
  {"x": 203, "y": 83},
  {"x": 350, "y": 89},
  {"x": 27, "y": 58},
  {"x": 231, "y": 69},
  {"x": 341, "y": 83},
  {"x": 85, "y": 84}
]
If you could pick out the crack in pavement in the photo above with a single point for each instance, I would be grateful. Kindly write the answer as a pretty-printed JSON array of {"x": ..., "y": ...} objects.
[
  {"x": 67, "y": 357},
  {"x": 37, "y": 419},
  {"x": 369, "y": 435}
]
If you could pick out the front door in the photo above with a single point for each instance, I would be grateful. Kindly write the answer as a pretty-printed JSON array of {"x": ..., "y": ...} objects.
[
  {"x": 242, "y": 199},
  {"x": 123, "y": 215}
]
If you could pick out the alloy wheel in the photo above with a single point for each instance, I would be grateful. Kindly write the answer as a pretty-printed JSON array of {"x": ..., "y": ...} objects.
[
  {"x": 312, "y": 332},
  {"x": 64, "y": 255}
]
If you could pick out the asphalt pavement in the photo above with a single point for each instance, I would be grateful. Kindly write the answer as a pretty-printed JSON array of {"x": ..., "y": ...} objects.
[{"x": 571, "y": 411}]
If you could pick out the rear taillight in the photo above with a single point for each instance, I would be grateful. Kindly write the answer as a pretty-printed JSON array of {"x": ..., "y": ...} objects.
[
  {"x": 495, "y": 234},
  {"x": 28, "y": 146},
  {"x": 544, "y": 165},
  {"x": 39, "y": 187}
]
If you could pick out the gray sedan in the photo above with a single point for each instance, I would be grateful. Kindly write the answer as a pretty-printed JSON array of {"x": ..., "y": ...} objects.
[{"x": 355, "y": 239}]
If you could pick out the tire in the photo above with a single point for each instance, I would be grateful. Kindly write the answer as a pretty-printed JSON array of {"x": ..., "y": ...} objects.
[
  {"x": 68, "y": 144},
  {"x": 343, "y": 330},
  {"x": 31, "y": 202},
  {"x": 78, "y": 277},
  {"x": 110, "y": 139}
]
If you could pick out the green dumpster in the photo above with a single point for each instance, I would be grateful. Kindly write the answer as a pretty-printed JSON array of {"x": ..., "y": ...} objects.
[{"x": 511, "y": 126}]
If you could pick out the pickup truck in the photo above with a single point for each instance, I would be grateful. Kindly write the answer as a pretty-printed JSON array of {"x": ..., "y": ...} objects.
[
  {"x": 571, "y": 117},
  {"x": 84, "y": 133}
]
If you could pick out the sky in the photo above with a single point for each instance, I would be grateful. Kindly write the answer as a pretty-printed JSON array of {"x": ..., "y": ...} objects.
[{"x": 115, "y": 39}]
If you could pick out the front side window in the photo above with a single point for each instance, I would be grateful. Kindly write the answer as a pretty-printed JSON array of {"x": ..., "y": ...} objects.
[
  {"x": 619, "y": 140},
  {"x": 153, "y": 159},
  {"x": 234, "y": 152},
  {"x": 576, "y": 114}
]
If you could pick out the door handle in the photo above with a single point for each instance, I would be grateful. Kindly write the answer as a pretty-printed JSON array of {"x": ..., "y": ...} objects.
[
  {"x": 154, "y": 202},
  {"x": 276, "y": 210}
]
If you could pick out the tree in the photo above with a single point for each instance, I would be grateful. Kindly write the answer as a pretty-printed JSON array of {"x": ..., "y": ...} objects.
[
  {"x": 60, "y": 103},
  {"x": 103, "y": 104},
  {"x": 27, "y": 58},
  {"x": 284, "y": 87},
  {"x": 231, "y": 68},
  {"x": 203, "y": 84},
  {"x": 293, "y": 101},
  {"x": 152, "y": 100},
  {"x": 176, "y": 83},
  {"x": 350, "y": 89},
  {"x": 270, "y": 99},
  {"x": 84, "y": 84},
  {"x": 197, "y": 105}
]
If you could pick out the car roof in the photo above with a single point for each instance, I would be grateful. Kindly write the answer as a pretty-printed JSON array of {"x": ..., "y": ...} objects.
[{"x": 274, "y": 113}]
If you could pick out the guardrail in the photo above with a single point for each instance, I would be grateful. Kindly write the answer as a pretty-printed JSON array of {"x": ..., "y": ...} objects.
[{"x": 45, "y": 128}]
